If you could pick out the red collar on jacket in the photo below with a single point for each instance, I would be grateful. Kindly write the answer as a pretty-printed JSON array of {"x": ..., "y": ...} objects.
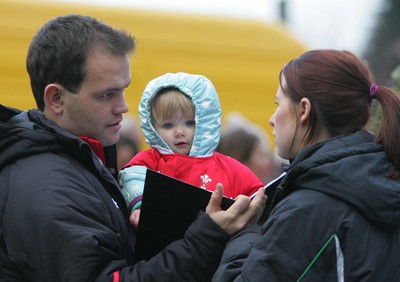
[{"x": 96, "y": 147}]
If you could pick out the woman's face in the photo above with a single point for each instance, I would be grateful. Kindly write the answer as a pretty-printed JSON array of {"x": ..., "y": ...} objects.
[
  {"x": 291, "y": 122},
  {"x": 284, "y": 121}
]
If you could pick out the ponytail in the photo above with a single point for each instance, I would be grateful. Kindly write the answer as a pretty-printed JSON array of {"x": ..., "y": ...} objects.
[{"x": 389, "y": 130}]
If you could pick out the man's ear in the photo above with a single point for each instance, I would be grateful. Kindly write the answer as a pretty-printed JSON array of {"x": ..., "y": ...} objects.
[
  {"x": 304, "y": 110},
  {"x": 53, "y": 98}
]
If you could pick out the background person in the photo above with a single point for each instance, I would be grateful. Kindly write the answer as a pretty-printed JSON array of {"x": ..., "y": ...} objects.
[
  {"x": 249, "y": 144},
  {"x": 128, "y": 144}
]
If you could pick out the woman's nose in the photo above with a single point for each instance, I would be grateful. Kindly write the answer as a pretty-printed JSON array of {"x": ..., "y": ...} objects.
[{"x": 272, "y": 120}]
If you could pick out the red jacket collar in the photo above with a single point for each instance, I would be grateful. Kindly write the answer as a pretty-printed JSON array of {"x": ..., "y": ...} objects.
[{"x": 96, "y": 147}]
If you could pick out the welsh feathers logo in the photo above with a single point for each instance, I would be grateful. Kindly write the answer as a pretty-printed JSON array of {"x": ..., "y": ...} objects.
[{"x": 205, "y": 179}]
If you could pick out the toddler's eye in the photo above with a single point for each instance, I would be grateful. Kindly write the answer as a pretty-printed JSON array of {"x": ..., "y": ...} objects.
[
  {"x": 167, "y": 125},
  {"x": 190, "y": 123}
]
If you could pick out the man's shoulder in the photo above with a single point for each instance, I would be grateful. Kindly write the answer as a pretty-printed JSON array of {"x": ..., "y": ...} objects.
[{"x": 49, "y": 167}]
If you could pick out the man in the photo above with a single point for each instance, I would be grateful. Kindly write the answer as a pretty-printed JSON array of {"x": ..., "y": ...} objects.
[{"x": 62, "y": 217}]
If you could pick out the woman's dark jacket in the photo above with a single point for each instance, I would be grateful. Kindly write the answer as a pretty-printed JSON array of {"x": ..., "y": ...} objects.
[{"x": 336, "y": 217}]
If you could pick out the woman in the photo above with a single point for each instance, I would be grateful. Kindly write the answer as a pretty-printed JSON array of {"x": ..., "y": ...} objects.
[{"x": 336, "y": 214}]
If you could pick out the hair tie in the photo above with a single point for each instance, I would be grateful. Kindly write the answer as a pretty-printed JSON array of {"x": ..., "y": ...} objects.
[{"x": 373, "y": 89}]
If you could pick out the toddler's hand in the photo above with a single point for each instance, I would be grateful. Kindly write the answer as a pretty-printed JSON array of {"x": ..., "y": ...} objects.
[{"x": 134, "y": 218}]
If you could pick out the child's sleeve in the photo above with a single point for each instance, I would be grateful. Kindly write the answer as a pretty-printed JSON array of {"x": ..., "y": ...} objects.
[{"x": 132, "y": 180}]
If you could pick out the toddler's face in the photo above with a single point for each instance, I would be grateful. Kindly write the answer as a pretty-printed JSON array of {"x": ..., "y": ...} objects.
[{"x": 178, "y": 132}]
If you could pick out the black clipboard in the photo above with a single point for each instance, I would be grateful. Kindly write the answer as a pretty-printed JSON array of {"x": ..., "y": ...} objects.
[{"x": 169, "y": 206}]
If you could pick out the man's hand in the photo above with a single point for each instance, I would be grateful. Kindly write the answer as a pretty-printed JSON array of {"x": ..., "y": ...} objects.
[{"x": 242, "y": 213}]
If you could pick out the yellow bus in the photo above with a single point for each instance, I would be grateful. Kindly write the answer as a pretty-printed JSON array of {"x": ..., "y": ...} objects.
[{"x": 241, "y": 57}]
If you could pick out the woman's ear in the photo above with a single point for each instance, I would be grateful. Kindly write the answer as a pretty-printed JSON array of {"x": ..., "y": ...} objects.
[
  {"x": 53, "y": 98},
  {"x": 304, "y": 110}
]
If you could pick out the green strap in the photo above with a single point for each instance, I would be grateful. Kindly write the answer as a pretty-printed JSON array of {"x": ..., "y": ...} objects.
[{"x": 316, "y": 257}]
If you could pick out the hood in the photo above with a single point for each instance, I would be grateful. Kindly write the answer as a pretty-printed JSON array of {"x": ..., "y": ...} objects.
[
  {"x": 207, "y": 111},
  {"x": 353, "y": 169},
  {"x": 19, "y": 136},
  {"x": 25, "y": 133}
]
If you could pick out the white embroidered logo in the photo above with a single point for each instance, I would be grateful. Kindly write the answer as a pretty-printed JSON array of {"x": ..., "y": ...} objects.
[
  {"x": 205, "y": 179},
  {"x": 115, "y": 203}
]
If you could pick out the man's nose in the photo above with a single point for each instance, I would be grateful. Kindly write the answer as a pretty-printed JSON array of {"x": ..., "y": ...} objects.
[{"x": 121, "y": 106}]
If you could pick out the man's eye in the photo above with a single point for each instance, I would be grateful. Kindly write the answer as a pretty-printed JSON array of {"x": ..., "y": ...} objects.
[{"x": 106, "y": 95}]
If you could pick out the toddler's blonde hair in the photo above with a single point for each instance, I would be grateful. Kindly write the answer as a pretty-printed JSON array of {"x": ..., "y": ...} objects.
[{"x": 169, "y": 101}]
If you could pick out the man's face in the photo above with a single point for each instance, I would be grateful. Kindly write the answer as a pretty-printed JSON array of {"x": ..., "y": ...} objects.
[{"x": 96, "y": 110}]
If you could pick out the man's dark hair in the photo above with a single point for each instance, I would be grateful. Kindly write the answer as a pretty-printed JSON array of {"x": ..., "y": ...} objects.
[{"x": 59, "y": 50}]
